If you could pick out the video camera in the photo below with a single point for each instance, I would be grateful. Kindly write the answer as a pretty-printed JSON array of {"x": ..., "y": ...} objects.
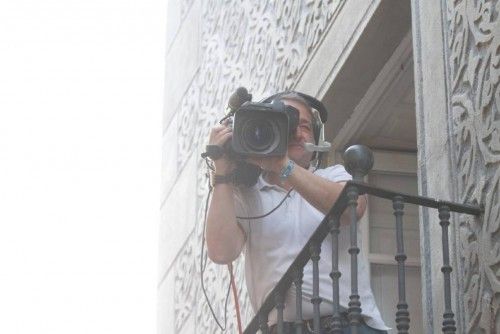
[{"x": 262, "y": 129}]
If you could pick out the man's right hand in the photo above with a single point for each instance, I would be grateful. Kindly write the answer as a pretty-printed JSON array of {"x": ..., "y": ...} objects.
[{"x": 220, "y": 135}]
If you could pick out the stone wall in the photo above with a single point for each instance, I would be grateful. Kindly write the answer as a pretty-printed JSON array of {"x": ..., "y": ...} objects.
[
  {"x": 473, "y": 54},
  {"x": 457, "y": 70}
]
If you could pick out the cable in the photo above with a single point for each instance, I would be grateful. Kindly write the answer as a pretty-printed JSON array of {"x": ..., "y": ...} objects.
[
  {"x": 267, "y": 214},
  {"x": 203, "y": 266},
  {"x": 235, "y": 296},
  {"x": 204, "y": 259},
  {"x": 279, "y": 204}
]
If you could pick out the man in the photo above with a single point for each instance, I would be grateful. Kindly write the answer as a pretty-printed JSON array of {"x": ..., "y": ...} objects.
[{"x": 271, "y": 243}]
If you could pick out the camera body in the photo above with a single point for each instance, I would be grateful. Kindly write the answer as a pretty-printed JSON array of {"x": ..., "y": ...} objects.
[{"x": 263, "y": 129}]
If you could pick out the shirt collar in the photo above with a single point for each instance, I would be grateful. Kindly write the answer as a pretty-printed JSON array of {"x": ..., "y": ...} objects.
[{"x": 263, "y": 185}]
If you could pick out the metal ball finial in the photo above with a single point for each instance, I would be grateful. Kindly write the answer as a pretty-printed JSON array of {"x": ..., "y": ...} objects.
[{"x": 358, "y": 160}]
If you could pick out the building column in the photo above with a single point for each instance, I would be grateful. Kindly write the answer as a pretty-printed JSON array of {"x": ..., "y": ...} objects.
[{"x": 457, "y": 69}]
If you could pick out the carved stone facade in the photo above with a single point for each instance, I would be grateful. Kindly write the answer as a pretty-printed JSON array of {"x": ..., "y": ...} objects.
[
  {"x": 474, "y": 73},
  {"x": 457, "y": 56},
  {"x": 268, "y": 46}
]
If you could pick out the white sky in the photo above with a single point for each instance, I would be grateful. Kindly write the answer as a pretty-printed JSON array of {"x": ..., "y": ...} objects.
[{"x": 81, "y": 94}]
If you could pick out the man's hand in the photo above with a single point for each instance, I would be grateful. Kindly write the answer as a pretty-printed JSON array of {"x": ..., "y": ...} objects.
[
  {"x": 225, "y": 238},
  {"x": 219, "y": 136}
]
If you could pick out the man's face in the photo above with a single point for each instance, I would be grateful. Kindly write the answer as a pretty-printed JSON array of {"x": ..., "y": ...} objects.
[{"x": 303, "y": 134}]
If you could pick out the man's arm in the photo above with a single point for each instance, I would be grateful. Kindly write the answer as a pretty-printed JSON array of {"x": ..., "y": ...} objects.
[
  {"x": 318, "y": 191},
  {"x": 225, "y": 238}
]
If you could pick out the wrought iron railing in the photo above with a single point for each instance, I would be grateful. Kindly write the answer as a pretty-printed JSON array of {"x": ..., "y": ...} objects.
[{"x": 358, "y": 162}]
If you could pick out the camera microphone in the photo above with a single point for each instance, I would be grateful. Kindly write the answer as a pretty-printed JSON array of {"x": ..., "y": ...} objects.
[
  {"x": 239, "y": 97},
  {"x": 235, "y": 101},
  {"x": 322, "y": 146}
]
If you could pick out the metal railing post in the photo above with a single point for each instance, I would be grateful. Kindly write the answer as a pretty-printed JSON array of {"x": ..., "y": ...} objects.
[
  {"x": 402, "y": 314},
  {"x": 358, "y": 162},
  {"x": 280, "y": 305},
  {"x": 316, "y": 299},
  {"x": 263, "y": 326},
  {"x": 299, "y": 274},
  {"x": 448, "y": 316},
  {"x": 354, "y": 299},
  {"x": 335, "y": 275}
]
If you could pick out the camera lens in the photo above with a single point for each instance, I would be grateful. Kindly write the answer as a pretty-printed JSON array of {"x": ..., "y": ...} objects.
[{"x": 259, "y": 134}]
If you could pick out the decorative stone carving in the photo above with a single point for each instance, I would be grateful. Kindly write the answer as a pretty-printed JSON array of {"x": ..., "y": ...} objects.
[
  {"x": 474, "y": 60},
  {"x": 185, "y": 5},
  {"x": 184, "y": 285},
  {"x": 188, "y": 118},
  {"x": 263, "y": 45}
]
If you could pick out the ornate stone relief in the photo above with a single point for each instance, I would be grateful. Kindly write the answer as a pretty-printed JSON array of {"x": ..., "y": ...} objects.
[
  {"x": 474, "y": 60},
  {"x": 185, "y": 287},
  {"x": 263, "y": 45},
  {"x": 185, "y": 5}
]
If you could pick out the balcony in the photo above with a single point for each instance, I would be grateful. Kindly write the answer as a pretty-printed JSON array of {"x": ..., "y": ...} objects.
[{"x": 358, "y": 162}]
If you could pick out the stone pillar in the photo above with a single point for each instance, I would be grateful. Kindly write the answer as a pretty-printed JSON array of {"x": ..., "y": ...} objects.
[{"x": 457, "y": 68}]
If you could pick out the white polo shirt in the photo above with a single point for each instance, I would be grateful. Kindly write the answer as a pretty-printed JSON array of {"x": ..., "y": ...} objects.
[{"x": 273, "y": 242}]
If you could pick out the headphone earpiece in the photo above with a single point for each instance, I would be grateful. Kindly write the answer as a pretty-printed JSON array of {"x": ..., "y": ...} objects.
[
  {"x": 316, "y": 133},
  {"x": 316, "y": 129}
]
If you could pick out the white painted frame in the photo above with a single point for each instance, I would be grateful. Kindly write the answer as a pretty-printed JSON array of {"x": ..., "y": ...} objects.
[{"x": 392, "y": 78}]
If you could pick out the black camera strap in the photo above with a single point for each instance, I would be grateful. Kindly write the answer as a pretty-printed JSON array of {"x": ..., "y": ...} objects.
[{"x": 214, "y": 152}]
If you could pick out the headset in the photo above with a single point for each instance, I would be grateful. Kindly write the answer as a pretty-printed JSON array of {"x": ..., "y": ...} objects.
[{"x": 320, "y": 146}]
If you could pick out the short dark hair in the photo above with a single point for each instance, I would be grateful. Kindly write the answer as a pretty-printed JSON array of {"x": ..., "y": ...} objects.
[{"x": 292, "y": 96}]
